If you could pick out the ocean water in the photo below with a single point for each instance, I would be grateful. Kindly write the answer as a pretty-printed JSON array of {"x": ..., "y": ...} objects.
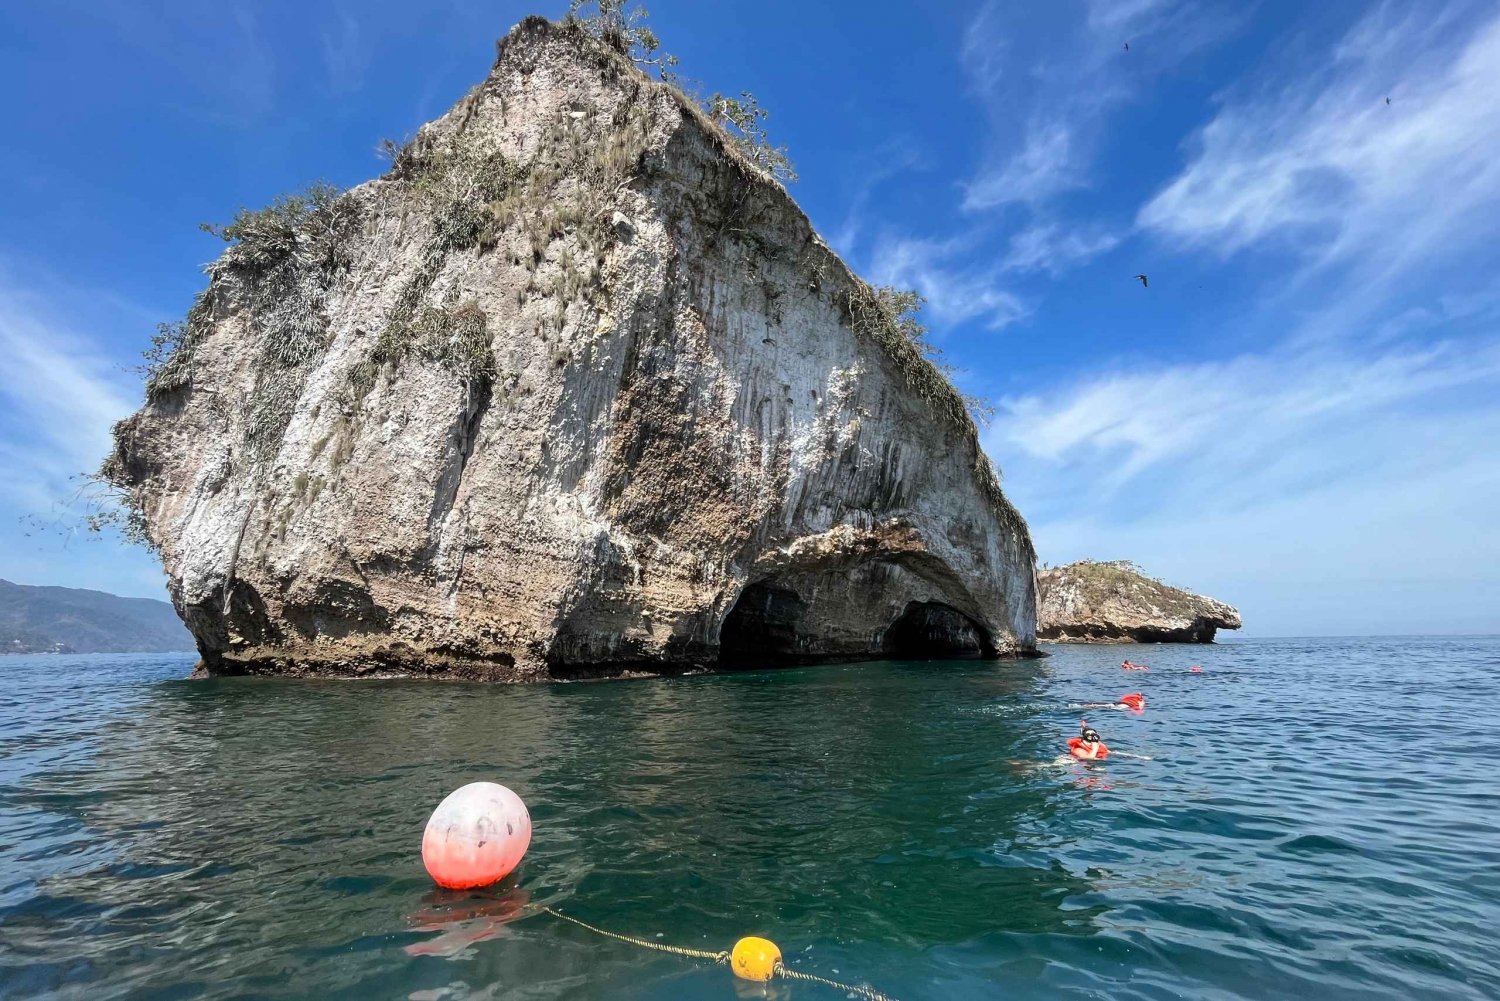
[{"x": 1306, "y": 819}]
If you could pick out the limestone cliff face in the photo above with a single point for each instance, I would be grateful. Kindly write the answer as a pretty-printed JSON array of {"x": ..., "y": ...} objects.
[
  {"x": 573, "y": 387},
  {"x": 1089, "y": 602}
]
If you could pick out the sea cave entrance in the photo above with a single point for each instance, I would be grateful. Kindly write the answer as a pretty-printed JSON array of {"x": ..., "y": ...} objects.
[
  {"x": 765, "y": 624},
  {"x": 930, "y": 630},
  {"x": 772, "y": 623}
]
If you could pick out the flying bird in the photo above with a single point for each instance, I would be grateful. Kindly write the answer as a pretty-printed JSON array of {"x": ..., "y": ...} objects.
[
  {"x": 1127, "y": 46},
  {"x": 1388, "y": 100},
  {"x": 1143, "y": 281}
]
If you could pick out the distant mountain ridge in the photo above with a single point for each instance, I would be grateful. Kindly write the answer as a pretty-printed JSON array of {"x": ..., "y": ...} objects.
[{"x": 73, "y": 620}]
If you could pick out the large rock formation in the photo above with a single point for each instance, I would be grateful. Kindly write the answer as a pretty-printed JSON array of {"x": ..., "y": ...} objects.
[
  {"x": 1089, "y": 602},
  {"x": 573, "y": 387}
]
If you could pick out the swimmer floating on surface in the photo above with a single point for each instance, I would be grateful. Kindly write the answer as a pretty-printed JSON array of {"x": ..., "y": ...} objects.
[
  {"x": 1128, "y": 666},
  {"x": 1088, "y": 746},
  {"x": 1132, "y": 702}
]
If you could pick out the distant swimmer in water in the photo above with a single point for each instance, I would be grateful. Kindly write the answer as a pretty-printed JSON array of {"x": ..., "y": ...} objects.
[
  {"x": 1128, "y": 666},
  {"x": 1087, "y": 744},
  {"x": 1195, "y": 669},
  {"x": 1134, "y": 702}
]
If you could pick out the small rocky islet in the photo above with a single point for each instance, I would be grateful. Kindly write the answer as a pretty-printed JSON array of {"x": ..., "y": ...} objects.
[{"x": 1116, "y": 602}]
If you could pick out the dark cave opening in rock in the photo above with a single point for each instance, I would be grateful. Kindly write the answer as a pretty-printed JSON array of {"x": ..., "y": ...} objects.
[
  {"x": 930, "y": 630},
  {"x": 765, "y": 624}
]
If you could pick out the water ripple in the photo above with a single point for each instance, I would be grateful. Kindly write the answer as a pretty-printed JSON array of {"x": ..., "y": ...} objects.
[{"x": 1318, "y": 818}]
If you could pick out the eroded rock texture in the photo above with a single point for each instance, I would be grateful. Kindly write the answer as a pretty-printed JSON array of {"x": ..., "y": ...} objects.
[
  {"x": 1092, "y": 602},
  {"x": 572, "y": 388}
]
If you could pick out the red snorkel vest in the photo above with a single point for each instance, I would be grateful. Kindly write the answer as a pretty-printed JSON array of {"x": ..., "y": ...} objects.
[{"x": 1075, "y": 748}]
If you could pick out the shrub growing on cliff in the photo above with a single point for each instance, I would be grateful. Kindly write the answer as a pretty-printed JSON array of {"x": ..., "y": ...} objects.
[
  {"x": 281, "y": 261},
  {"x": 471, "y": 192},
  {"x": 624, "y": 30},
  {"x": 458, "y": 338},
  {"x": 741, "y": 120},
  {"x": 892, "y": 316},
  {"x": 455, "y": 336},
  {"x": 167, "y": 365},
  {"x": 313, "y": 226}
]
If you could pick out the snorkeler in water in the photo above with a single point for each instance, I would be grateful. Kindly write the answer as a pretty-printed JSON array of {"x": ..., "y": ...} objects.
[
  {"x": 1132, "y": 702},
  {"x": 1087, "y": 744}
]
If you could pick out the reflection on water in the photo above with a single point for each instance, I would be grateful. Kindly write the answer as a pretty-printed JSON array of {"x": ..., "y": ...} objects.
[
  {"x": 901, "y": 823},
  {"x": 463, "y": 919}
]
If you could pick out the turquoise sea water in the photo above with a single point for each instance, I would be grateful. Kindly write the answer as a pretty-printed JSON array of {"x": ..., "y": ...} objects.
[{"x": 1318, "y": 818}]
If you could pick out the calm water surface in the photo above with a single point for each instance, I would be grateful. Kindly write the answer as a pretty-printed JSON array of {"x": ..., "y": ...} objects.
[{"x": 1319, "y": 818}]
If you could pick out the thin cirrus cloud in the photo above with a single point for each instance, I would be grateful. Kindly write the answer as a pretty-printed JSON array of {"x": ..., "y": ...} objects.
[
  {"x": 60, "y": 393},
  {"x": 1052, "y": 76},
  {"x": 1325, "y": 164},
  {"x": 58, "y": 399},
  {"x": 956, "y": 288},
  {"x": 1268, "y": 412},
  {"x": 1047, "y": 164},
  {"x": 218, "y": 58},
  {"x": 1054, "y": 247},
  {"x": 1370, "y": 384},
  {"x": 1341, "y": 478},
  {"x": 345, "y": 56},
  {"x": 1068, "y": 72},
  {"x": 1321, "y": 492}
]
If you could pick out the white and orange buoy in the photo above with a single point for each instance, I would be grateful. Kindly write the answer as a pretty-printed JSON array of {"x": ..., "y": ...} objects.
[{"x": 476, "y": 836}]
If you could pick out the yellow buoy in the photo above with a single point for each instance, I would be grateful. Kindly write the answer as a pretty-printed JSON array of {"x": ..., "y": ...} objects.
[{"x": 755, "y": 959}]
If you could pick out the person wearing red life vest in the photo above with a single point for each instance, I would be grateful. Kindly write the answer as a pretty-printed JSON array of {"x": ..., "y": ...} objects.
[{"x": 1087, "y": 745}]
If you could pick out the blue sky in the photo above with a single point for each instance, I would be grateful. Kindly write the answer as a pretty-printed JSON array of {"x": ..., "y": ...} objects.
[{"x": 1300, "y": 415}]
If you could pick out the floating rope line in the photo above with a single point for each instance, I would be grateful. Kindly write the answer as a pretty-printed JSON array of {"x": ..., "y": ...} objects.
[
  {"x": 868, "y": 993},
  {"x": 771, "y": 964},
  {"x": 676, "y": 950}
]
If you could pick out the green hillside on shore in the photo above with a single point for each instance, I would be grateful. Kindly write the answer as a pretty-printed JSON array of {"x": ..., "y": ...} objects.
[{"x": 72, "y": 620}]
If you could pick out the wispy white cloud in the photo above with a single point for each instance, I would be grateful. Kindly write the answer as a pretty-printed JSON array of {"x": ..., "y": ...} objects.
[
  {"x": 955, "y": 288},
  {"x": 1051, "y": 76},
  {"x": 1260, "y": 409},
  {"x": 59, "y": 396},
  {"x": 61, "y": 391},
  {"x": 893, "y": 158},
  {"x": 1340, "y": 477},
  {"x": 1116, "y": 18},
  {"x": 1047, "y": 83},
  {"x": 1415, "y": 553},
  {"x": 1047, "y": 164},
  {"x": 1053, "y": 247},
  {"x": 1324, "y": 165},
  {"x": 1280, "y": 474}
]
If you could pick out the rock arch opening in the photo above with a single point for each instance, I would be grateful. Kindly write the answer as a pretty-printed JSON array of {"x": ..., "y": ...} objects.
[
  {"x": 766, "y": 623},
  {"x": 930, "y": 630}
]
